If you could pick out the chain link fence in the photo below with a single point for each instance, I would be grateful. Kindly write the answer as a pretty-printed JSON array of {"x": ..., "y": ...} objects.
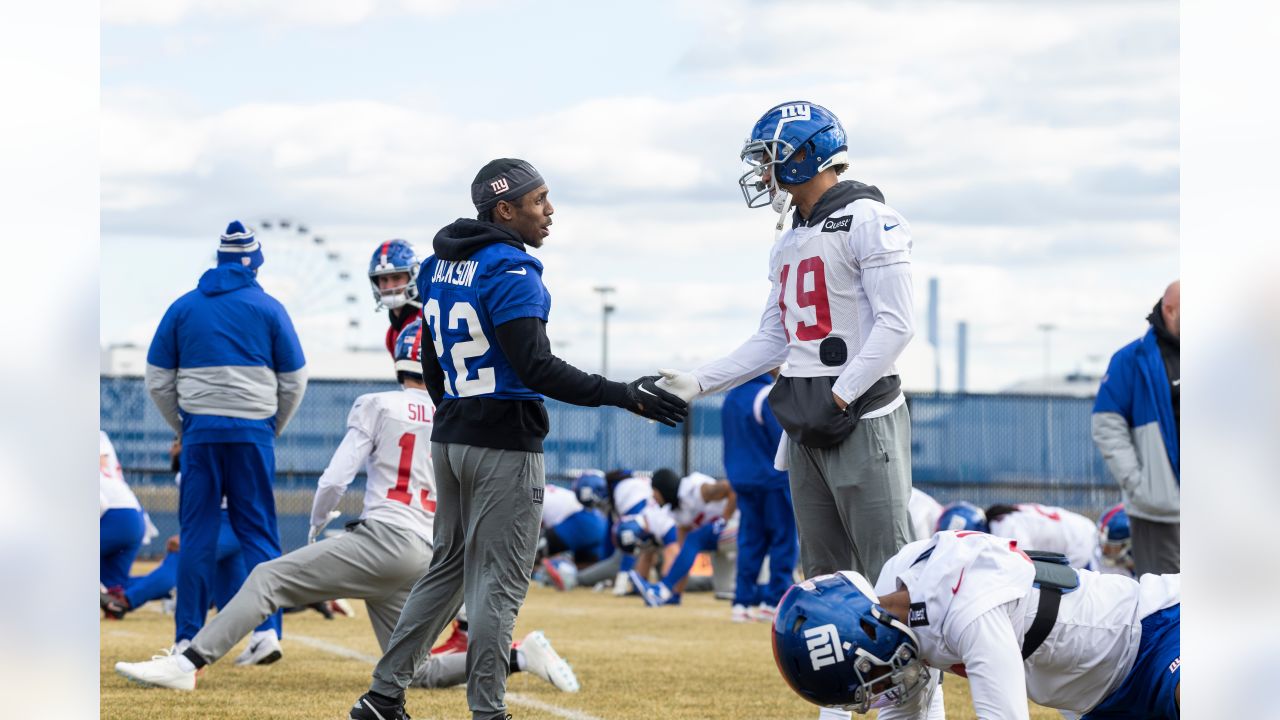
[{"x": 981, "y": 448}]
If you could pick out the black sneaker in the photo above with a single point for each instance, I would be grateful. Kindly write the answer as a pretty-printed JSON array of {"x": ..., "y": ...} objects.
[
  {"x": 113, "y": 605},
  {"x": 369, "y": 707}
]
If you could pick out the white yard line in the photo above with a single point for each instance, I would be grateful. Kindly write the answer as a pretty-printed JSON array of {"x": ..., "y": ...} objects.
[{"x": 517, "y": 698}]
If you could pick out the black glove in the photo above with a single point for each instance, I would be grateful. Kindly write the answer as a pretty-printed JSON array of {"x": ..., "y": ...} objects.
[{"x": 648, "y": 400}]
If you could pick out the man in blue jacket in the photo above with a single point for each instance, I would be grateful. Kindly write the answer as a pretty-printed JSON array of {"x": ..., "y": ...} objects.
[
  {"x": 226, "y": 371},
  {"x": 1135, "y": 426},
  {"x": 766, "y": 524}
]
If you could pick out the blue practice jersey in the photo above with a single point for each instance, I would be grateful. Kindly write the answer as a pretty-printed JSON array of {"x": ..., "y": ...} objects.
[{"x": 464, "y": 300}]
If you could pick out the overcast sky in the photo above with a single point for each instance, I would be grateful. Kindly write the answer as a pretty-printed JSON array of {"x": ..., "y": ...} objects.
[{"x": 1032, "y": 146}]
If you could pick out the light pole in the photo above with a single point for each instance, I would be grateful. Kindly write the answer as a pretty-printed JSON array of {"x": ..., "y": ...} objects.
[
  {"x": 1047, "y": 329},
  {"x": 605, "y": 310}
]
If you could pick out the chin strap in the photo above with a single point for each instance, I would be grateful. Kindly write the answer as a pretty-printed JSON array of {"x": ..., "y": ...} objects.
[{"x": 782, "y": 213}]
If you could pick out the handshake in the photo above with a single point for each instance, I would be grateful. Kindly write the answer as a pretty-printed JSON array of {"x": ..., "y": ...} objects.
[{"x": 664, "y": 397}]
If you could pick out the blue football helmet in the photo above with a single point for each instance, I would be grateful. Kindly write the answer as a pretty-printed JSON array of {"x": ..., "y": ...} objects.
[
  {"x": 591, "y": 489},
  {"x": 962, "y": 516},
  {"x": 775, "y": 140},
  {"x": 835, "y": 646},
  {"x": 1114, "y": 535},
  {"x": 394, "y": 256},
  {"x": 408, "y": 350},
  {"x": 631, "y": 536}
]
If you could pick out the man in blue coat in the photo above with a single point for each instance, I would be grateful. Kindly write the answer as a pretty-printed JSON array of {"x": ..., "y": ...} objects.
[
  {"x": 1135, "y": 426},
  {"x": 226, "y": 371},
  {"x": 766, "y": 522}
]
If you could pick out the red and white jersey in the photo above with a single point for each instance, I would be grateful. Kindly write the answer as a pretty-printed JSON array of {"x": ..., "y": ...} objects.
[
  {"x": 1045, "y": 527},
  {"x": 631, "y": 494},
  {"x": 389, "y": 435},
  {"x": 924, "y": 512},
  {"x": 972, "y": 602},
  {"x": 113, "y": 491},
  {"x": 694, "y": 512},
  {"x": 557, "y": 505}
]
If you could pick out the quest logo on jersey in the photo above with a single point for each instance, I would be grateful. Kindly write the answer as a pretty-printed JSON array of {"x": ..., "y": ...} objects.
[
  {"x": 917, "y": 615},
  {"x": 837, "y": 224},
  {"x": 824, "y": 646}
]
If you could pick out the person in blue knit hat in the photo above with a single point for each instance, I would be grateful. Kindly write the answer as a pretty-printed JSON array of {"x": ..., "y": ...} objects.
[{"x": 226, "y": 370}]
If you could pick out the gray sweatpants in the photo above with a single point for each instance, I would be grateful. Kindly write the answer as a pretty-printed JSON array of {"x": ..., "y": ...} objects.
[
  {"x": 851, "y": 499},
  {"x": 1156, "y": 546},
  {"x": 488, "y": 511},
  {"x": 376, "y": 562}
]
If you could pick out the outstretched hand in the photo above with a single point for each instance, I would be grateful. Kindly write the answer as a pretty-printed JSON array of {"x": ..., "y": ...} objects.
[
  {"x": 648, "y": 400},
  {"x": 681, "y": 384}
]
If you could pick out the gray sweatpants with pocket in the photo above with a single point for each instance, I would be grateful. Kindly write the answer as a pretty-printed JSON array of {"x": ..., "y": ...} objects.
[
  {"x": 851, "y": 499},
  {"x": 488, "y": 511},
  {"x": 377, "y": 562}
]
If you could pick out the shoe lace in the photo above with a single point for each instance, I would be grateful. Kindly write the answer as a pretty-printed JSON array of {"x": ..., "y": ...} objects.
[{"x": 164, "y": 653}]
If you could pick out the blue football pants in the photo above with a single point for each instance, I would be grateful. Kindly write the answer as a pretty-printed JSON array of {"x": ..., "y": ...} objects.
[{"x": 766, "y": 526}]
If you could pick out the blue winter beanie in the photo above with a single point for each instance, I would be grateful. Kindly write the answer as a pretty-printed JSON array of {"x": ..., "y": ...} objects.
[{"x": 239, "y": 246}]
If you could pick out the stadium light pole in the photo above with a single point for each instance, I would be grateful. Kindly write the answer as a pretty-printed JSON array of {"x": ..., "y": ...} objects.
[
  {"x": 605, "y": 310},
  {"x": 1047, "y": 329}
]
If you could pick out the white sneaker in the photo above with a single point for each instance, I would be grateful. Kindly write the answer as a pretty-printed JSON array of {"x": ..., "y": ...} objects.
[
  {"x": 160, "y": 671},
  {"x": 263, "y": 649},
  {"x": 739, "y": 614},
  {"x": 542, "y": 660},
  {"x": 763, "y": 613}
]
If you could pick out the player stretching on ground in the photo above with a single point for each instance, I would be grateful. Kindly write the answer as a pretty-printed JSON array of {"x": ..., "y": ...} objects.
[
  {"x": 378, "y": 560},
  {"x": 1043, "y": 527},
  {"x": 975, "y": 605},
  {"x": 839, "y": 314}
]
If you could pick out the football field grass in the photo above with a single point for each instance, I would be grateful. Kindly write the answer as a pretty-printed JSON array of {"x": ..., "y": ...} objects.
[{"x": 634, "y": 663}]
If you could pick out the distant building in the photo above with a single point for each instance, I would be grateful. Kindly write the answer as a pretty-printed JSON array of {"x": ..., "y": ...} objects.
[{"x": 1076, "y": 384}]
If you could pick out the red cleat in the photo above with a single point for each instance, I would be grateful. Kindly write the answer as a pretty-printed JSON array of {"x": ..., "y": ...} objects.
[{"x": 457, "y": 642}]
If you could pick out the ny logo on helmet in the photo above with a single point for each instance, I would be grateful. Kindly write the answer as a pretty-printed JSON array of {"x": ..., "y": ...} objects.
[
  {"x": 797, "y": 112},
  {"x": 499, "y": 186},
  {"x": 824, "y": 646}
]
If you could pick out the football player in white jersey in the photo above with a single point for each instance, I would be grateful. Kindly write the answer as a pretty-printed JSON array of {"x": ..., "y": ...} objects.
[
  {"x": 1102, "y": 646},
  {"x": 572, "y": 536},
  {"x": 380, "y": 557},
  {"x": 122, "y": 524},
  {"x": 705, "y": 515},
  {"x": 1034, "y": 526},
  {"x": 924, "y": 512},
  {"x": 839, "y": 314}
]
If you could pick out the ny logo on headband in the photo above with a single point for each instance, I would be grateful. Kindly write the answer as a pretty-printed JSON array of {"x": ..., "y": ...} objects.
[{"x": 499, "y": 186}]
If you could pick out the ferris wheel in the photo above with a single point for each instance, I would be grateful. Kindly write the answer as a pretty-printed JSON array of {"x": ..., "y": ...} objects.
[{"x": 325, "y": 290}]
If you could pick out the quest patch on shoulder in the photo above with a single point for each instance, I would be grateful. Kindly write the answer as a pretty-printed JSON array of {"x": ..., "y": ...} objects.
[
  {"x": 836, "y": 224},
  {"x": 917, "y": 615}
]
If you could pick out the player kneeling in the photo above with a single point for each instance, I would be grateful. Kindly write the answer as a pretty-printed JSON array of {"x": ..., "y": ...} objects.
[
  {"x": 1104, "y": 646},
  {"x": 380, "y": 557}
]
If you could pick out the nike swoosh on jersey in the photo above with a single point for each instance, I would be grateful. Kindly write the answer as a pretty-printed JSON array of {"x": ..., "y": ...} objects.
[
  {"x": 957, "y": 587},
  {"x": 521, "y": 271},
  {"x": 887, "y": 228}
]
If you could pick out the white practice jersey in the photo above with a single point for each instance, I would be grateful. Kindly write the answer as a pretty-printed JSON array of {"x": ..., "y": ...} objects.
[
  {"x": 972, "y": 602},
  {"x": 924, "y": 512},
  {"x": 557, "y": 505},
  {"x": 1053, "y": 529},
  {"x": 389, "y": 435},
  {"x": 658, "y": 520},
  {"x": 631, "y": 494},
  {"x": 833, "y": 279},
  {"x": 113, "y": 491},
  {"x": 694, "y": 512}
]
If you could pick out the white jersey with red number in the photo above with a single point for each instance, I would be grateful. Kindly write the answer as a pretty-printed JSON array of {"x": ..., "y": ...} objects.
[
  {"x": 388, "y": 435},
  {"x": 113, "y": 491},
  {"x": 694, "y": 512},
  {"x": 972, "y": 602},
  {"x": 818, "y": 271},
  {"x": 558, "y": 504},
  {"x": 924, "y": 512},
  {"x": 631, "y": 494},
  {"x": 1044, "y": 527}
]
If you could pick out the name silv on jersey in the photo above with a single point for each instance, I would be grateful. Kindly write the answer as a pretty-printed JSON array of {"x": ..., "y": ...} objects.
[{"x": 455, "y": 272}]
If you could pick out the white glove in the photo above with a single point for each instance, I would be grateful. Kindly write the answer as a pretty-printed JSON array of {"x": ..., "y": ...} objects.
[
  {"x": 316, "y": 529},
  {"x": 681, "y": 384}
]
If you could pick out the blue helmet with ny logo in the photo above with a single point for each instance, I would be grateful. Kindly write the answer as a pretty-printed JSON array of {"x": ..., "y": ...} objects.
[
  {"x": 963, "y": 516},
  {"x": 591, "y": 489},
  {"x": 408, "y": 350},
  {"x": 394, "y": 256},
  {"x": 794, "y": 142},
  {"x": 835, "y": 646}
]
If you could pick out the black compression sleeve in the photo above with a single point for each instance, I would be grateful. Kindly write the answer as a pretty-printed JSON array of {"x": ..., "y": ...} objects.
[
  {"x": 432, "y": 373},
  {"x": 524, "y": 343}
]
